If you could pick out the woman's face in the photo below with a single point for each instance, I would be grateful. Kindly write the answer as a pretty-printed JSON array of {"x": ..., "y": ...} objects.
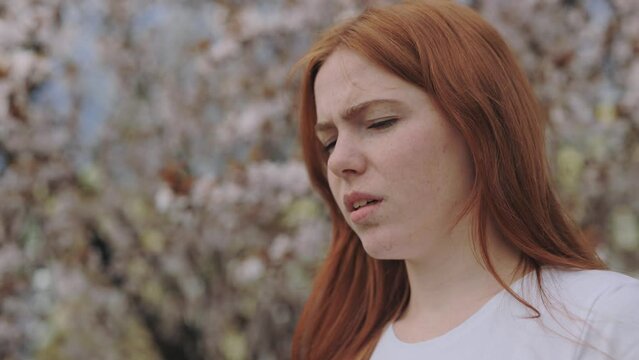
[{"x": 399, "y": 172}]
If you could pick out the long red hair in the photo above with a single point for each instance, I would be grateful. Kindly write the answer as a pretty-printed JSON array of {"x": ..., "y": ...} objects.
[{"x": 468, "y": 70}]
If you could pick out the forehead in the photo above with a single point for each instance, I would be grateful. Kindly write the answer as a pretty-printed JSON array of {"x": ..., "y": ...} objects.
[{"x": 347, "y": 78}]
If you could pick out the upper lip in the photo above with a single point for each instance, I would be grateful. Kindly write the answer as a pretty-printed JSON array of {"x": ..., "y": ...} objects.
[{"x": 351, "y": 198}]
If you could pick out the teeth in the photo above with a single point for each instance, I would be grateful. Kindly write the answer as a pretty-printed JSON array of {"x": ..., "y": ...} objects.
[{"x": 361, "y": 203}]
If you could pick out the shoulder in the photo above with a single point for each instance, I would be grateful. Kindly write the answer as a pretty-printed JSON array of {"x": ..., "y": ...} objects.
[
  {"x": 600, "y": 293},
  {"x": 605, "y": 293},
  {"x": 594, "y": 286},
  {"x": 611, "y": 301}
]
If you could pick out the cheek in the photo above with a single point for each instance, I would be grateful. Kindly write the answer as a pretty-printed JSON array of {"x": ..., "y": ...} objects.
[
  {"x": 456, "y": 163},
  {"x": 412, "y": 162},
  {"x": 332, "y": 184},
  {"x": 432, "y": 169}
]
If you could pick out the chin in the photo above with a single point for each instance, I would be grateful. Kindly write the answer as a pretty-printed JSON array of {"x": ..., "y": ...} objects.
[{"x": 380, "y": 249}]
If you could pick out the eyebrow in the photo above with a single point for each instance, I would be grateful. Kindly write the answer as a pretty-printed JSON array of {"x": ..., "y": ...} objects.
[{"x": 355, "y": 110}]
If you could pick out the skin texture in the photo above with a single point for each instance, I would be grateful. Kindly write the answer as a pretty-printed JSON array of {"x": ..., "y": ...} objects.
[
  {"x": 401, "y": 149},
  {"x": 418, "y": 163}
]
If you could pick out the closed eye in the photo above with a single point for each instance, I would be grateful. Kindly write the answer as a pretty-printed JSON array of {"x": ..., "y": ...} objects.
[
  {"x": 328, "y": 147},
  {"x": 383, "y": 124}
]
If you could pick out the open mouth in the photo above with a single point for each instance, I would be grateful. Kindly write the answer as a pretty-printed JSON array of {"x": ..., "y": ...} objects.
[
  {"x": 362, "y": 210},
  {"x": 363, "y": 203}
]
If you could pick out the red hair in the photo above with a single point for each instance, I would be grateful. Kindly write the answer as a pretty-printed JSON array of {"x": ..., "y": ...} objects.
[{"x": 468, "y": 70}]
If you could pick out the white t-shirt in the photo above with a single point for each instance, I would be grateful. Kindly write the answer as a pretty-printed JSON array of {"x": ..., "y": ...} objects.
[{"x": 592, "y": 313}]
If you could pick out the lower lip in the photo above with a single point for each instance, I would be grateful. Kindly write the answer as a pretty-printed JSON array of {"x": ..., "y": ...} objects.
[{"x": 361, "y": 214}]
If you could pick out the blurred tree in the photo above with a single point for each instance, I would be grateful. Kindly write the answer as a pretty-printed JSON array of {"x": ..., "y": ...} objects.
[{"x": 154, "y": 205}]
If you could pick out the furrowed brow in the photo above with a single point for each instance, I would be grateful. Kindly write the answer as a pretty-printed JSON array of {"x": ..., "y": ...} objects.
[{"x": 355, "y": 111}]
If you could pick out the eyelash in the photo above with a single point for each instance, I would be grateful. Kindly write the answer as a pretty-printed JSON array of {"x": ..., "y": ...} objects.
[
  {"x": 379, "y": 125},
  {"x": 383, "y": 124},
  {"x": 328, "y": 148}
]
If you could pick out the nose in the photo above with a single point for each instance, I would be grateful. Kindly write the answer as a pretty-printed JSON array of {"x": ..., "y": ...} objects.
[{"x": 347, "y": 158}]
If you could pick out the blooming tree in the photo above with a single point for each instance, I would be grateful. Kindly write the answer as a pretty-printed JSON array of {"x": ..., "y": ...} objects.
[{"x": 154, "y": 204}]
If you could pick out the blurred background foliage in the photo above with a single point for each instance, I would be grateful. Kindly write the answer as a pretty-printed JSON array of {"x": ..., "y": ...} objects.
[{"x": 153, "y": 203}]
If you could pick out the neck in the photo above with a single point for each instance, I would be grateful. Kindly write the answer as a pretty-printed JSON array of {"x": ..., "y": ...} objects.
[{"x": 455, "y": 279}]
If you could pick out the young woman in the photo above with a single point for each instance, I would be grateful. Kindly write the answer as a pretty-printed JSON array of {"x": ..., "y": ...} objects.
[{"x": 424, "y": 138}]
